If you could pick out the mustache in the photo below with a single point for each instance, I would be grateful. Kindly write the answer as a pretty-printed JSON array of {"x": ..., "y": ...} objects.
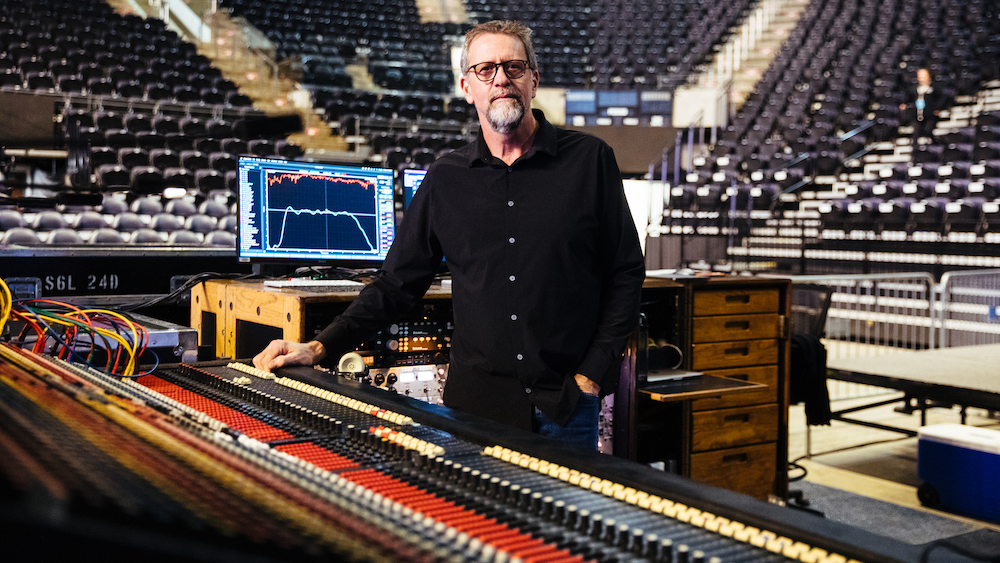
[{"x": 504, "y": 94}]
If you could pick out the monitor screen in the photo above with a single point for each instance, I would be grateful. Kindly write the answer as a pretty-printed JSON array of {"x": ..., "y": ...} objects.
[
  {"x": 292, "y": 211},
  {"x": 412, "y": 177}
]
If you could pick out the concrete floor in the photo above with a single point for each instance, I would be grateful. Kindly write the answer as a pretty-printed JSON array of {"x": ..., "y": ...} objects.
[{"x": 871, "y": 462}]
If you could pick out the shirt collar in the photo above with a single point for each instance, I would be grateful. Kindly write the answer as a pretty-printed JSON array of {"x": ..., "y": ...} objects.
[{"x": 545, "y": 142}]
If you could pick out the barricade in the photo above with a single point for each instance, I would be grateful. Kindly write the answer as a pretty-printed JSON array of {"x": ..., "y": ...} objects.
[
  {"x": 865, "y": 315},
  {"x": 969, "y": 313}
]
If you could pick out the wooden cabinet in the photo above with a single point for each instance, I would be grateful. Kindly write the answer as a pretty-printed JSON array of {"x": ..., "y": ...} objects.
[{"x": 729, "y": 327}]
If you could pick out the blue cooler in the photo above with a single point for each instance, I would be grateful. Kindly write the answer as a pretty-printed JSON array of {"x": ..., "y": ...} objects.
[{"x": 960, "y": 468}]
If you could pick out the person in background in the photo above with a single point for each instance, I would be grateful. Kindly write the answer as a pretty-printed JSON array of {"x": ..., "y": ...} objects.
[
  {"x": 544, "y": 257},
  {"x": 923, "y": 105}
]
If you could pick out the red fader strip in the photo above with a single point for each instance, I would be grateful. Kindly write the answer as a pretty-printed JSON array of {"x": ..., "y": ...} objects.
[
  {"x": 487, "y": 530},
  {"x": 250, "y": 426},
  {"x": 320, "y": 457}
]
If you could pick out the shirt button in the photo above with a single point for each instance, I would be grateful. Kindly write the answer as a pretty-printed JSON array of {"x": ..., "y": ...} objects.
[
  {"x": 512, "y": 278},
  {"x": 511, "y": 240},
  {"x": 510, "y": 204},
  {"x": 513, "y": 317},
  {"x": 510, "y": 169},
  {"x": 527, "y": 390},
  {"x": 520, "y": 357}
]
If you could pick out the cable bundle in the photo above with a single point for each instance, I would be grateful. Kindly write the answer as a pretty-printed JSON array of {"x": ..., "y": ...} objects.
[{"x": 91, "y": 336}]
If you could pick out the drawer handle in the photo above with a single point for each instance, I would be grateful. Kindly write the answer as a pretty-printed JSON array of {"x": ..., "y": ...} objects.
[
  {"x": 741, "y": 351},
  {"x": 735, "y": 458},
  {"x": 744, "y": 417},
  {"x": 738, "y": 298},
  {"x": 738, "y": 325}
]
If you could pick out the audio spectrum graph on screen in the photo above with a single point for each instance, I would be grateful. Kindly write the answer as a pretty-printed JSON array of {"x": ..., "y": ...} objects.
[
  {"x": 312, "y": 211},
  {"x": 348, "y": 220}
]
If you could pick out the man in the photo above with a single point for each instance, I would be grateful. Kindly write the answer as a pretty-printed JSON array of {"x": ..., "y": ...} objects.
[
  {"x": 924, "y": 104},
  {"x": 545, "y": 260}
]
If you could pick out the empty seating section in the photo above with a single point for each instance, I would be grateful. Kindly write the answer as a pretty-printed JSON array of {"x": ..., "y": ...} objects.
[
  {"x": 143, "y": 111},
  {"x": 117, "y": 221},
  {"x": 401, "y": 52},
  {"x": 825, "y": 122}
]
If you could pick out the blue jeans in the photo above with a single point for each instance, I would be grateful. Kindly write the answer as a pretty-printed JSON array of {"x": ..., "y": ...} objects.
[{"x": 581, "y": 430}]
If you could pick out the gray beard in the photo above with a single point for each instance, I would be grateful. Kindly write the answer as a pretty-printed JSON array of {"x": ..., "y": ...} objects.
[{"x": 505, "y": 117}]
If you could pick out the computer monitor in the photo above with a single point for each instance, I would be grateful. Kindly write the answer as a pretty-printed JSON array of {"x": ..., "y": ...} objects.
[
  {"x": 311, "y": 212},
  {"x": 412, "y": 177}
]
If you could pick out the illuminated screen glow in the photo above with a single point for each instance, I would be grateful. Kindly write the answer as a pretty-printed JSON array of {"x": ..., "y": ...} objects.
[
  {"x": 412, "y": 177},
  {"x": 313, "y": 212}
]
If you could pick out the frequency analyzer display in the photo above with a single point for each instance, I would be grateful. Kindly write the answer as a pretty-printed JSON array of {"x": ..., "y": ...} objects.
[{"x": 314, "y": 211}]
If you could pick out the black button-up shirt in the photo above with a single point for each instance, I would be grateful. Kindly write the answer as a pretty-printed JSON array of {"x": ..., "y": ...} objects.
[{"x": 546, "y": 274}]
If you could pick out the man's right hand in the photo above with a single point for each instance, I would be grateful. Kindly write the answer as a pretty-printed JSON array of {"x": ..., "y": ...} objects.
[{"x": 280, "y": 353}]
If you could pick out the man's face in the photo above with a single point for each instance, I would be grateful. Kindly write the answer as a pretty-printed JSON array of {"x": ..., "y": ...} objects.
[
  {"x": 923, "y": 77},
  {"x": 501, "y": 103}
]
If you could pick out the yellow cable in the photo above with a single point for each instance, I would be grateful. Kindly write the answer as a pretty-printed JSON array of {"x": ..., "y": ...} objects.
[
  {"x": 6, "y": 304},
  {"x": 130, "y": 367},
  {"x": 61, "y": 320}
]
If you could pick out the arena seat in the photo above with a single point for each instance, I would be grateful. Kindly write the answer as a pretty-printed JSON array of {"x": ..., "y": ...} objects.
[
  {"x": 20, "y": 236},
  {"x": 229, "y": 223},
  {"x": 222, "y": 161},
  {"x": 133, "y": 157},
  {"x": 150, "y": 140},
  {"x": 895, "y": 214},
  {"x": 184, "y": 237},
  {"x": 208, "y": 145},
  {"x": 166, "y": 223},
  {"x": 145, "y": 236},
  {"x": 181, "y": 208},
  {"x": 966, "y": 215},
  {"x": 106, "y": 236},
  {"x": 100, "y": 156},
  {"x": 200, "y": 223},
  {"x": 11, "y": 219},
  {"x": 147, "y": 205},
  {"x": 213, "y": 207},
  {"x": 65, "y": 236},
  {"x": 48, "y": 220},
  {"x": 89, "y": 221},
  {"x": 930, "y": 214},
  {"x": 207, "y": 180},
  {"x": 220, "y": 238},
  {"x": 128, "y": 222},
  {"x": 194, "y": 160},
  {"x": 164, "y": 158}
]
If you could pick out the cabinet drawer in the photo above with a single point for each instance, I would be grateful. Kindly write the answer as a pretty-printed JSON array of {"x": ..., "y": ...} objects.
[
  {"x": 768, "y": 375},
  {"x": 716, "y": 355},
  {"x": 735, "y": 327},
  {"x": 735, "y": 301},
  {"x": 725, "y": 428},
  {"x": 751, "y": 470}
]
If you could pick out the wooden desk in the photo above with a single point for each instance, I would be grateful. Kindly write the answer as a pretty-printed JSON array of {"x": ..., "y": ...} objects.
[{"x": 241, "y": 317}]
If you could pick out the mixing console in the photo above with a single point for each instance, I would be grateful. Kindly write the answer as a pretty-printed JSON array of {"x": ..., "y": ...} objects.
[{"x": 246, "y": 465}]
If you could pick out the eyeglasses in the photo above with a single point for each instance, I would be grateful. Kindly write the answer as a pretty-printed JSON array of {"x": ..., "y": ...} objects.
[{"x": 487, "y": 71}]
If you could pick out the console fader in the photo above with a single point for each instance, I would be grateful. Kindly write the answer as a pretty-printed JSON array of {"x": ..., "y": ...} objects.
[{"x": 311, "y": 465}]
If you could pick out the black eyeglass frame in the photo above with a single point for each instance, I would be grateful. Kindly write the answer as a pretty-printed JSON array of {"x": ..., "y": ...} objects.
[{"x": 496, "y": 67}]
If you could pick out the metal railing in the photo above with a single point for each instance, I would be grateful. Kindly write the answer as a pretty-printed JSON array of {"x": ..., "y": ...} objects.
[
  {"x": 969, "y": 314},
  {"x": 869, "y": 315}
]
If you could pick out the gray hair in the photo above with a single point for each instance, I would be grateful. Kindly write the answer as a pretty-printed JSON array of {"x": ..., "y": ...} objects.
[{"x": 501, "y": 27}]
